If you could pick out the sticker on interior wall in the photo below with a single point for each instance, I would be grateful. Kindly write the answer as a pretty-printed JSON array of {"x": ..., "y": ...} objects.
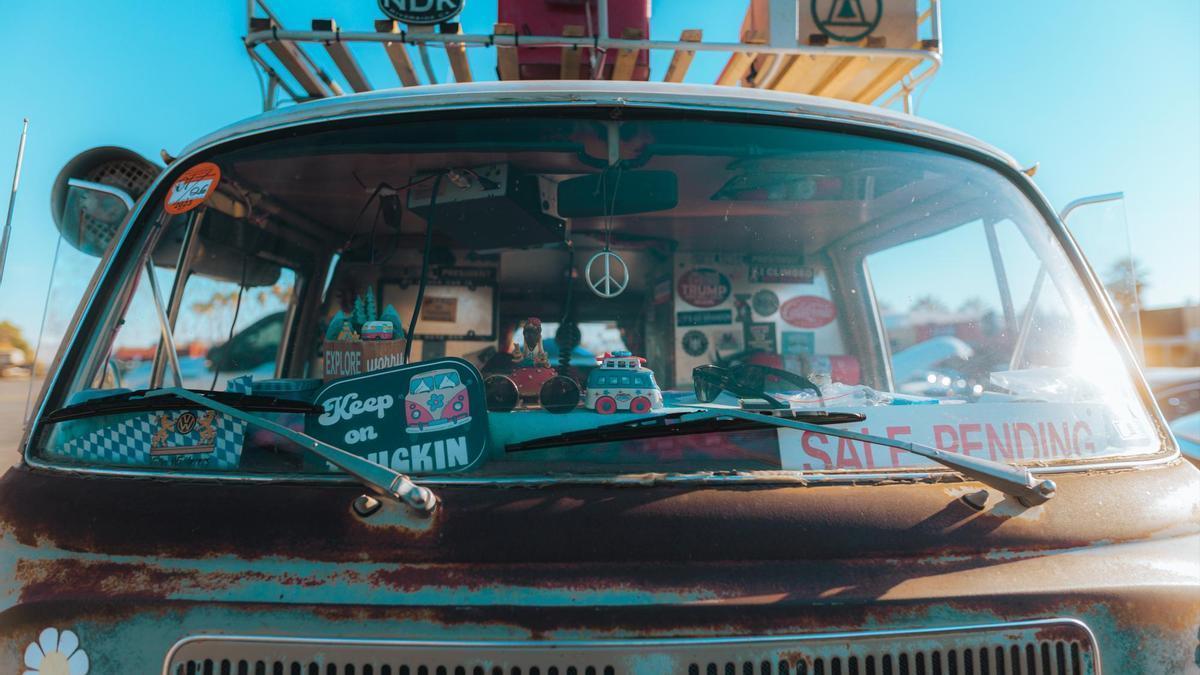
[
  {"x": 765, "y": 302},
  {"x": 761, "y": 335},
  {"x": 704, "y": 287},
  {"x": 695, "y": 343},
  {"x": 192, "y": 188},
  {"x": 808, "y": 311},
  {"x": 712, "y": 317},
  {"x": 729, "y": 341},
  {"x": 427, "y": 417},
  {"x": 741, "y": 302},
  {"x": 662, "y": 291},
  {"x": 796, "y": 342},
  {"x": 439, "y": 309},
  {"x": 778, "y": 270}
]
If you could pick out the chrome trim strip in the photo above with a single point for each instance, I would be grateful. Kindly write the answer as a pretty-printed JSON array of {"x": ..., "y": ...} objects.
[
  {"x": 874, "y": 122},
  {"x": 643, "y": 643}
]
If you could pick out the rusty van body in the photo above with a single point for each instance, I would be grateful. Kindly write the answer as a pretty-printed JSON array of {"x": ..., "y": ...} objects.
[{"x": 829, "y": 568}]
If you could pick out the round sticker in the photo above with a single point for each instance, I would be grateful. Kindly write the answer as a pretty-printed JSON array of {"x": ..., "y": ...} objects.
[
  {"x": 808, "y": 311},
  {"x": 766, "y": 302},
  {"x": 695, "y": 343},
  {"x": 192, "y": 188},
  {"x": 704, "y": 287}
]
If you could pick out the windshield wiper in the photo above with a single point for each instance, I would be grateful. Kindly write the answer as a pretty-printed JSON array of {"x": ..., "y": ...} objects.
[
  {"x": 1015, "y": 481},
  {"x": 679, "y": 423},
  {"x": 135, "y": 401},
  {"x": 380, "y": 479}
]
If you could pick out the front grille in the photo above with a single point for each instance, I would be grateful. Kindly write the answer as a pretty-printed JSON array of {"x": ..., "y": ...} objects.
[{"x": 1052, "y": 647}]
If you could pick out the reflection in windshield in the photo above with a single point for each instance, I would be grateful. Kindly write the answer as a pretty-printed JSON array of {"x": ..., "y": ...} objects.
[{"x": 560, "y": 274}]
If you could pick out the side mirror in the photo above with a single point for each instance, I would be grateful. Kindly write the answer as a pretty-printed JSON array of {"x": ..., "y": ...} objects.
[{"x": 94, "y": 193}]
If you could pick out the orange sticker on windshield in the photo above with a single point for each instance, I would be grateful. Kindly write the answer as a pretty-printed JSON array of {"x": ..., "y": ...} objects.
[{"x": 192, "y": 188}]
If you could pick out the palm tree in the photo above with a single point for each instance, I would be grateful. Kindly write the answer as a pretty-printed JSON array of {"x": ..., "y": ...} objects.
[{"x": 1125, "y": 280}]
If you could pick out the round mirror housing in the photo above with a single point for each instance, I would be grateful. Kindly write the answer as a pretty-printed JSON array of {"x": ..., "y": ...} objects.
[{"x": 93, "y": 193}]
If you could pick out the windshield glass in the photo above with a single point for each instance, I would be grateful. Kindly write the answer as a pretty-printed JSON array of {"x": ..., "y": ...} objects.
[{"x": 573, "y": 272}]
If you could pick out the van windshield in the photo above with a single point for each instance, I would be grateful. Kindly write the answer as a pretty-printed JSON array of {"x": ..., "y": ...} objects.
[{"x": 442, "y": 290}]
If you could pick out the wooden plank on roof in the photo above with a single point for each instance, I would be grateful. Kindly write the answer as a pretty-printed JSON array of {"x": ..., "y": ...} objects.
[
  {"x": 803, "y": 73},
  {"x": 288, "y": 55},
  {"x": 507, "y": 67},
  {"x": 342, "y": 57},
  {"x": 845, "y": 70},
  {"x": 682, "y": 59},
  {"x": 569, "y": 67},
  {"x": 627, "y": 58},
  {"x": 890, "y": 75},
  {"x": 457, "y": 53},
  {"x": 397, "y": 53},
  {"x": 739, "y": 62},
  {"x": 839, "y": 74}
]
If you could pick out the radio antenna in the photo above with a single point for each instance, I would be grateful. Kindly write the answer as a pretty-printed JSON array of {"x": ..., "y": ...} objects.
[{"x": 12, "y": 198}]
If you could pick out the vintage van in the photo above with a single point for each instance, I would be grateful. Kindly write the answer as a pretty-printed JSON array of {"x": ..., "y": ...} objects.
[{"x": 1013, "y": 504}]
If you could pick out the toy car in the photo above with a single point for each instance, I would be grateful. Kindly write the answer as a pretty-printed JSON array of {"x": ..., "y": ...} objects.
[
  {"x": 622, "y": 382},
  {"x": 377, "y": 330}
]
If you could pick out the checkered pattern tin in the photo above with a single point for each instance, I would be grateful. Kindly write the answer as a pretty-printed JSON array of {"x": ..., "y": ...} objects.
[{"x": 177, "y": 439}]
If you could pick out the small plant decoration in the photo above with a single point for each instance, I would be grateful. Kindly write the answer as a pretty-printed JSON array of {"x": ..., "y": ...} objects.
[
  {"x": 349, "y": 327},
  {"x": 390, "y": 314},
  {"x": 361, "y": 342}
]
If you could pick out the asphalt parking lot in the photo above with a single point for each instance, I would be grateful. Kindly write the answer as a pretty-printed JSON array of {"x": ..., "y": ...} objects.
[{"x": 13, "y": 392}]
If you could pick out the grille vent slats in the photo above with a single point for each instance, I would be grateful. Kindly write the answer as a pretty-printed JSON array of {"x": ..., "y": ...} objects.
[{"x": 1060, "y": 647}]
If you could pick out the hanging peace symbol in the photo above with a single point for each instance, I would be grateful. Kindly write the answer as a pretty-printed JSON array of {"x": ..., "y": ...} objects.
[{"x": 608, "y": 285}]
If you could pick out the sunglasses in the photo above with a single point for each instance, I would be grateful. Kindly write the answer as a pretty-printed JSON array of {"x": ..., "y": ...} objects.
[{"x": 746, "y": 381}]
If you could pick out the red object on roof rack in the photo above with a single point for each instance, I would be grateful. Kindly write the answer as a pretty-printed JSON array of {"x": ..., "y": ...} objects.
[{"x": 628, "y": 19}]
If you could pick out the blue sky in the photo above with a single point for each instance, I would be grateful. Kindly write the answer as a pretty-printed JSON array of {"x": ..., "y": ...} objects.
[{"x": 1104, "y": 94}]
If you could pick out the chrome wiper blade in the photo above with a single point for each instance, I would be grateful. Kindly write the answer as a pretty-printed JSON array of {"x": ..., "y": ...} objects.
[
  {"x": 1017, "y": 482},
  {"x": 379, "y": 479},
  {"x": 135, "y": 401},
  {"x": 680, "y": 423}
]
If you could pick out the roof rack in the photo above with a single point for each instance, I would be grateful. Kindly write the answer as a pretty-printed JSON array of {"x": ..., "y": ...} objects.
[{"x": 771, "y": 55}]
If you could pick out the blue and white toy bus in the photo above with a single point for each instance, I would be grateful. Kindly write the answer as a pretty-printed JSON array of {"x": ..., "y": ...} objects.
[{"x": 622, "y": 382}]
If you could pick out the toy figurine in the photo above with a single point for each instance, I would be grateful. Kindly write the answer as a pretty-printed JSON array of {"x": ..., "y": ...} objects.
[
  {"x": 622, "y": 382},
  {"x": 533, "y": 355},
  {"x": 346, "y": 333},
  {"x": 531, "y": 365}
]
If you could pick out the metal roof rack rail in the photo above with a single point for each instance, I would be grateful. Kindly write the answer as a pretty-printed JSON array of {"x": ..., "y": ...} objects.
[{"x": 844, "y": 56}]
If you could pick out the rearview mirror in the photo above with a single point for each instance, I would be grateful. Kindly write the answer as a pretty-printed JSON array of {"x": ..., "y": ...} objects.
[{"x": 636, "y": 192}]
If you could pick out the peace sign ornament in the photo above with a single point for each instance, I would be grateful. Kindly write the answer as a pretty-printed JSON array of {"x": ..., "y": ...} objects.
[{"x": 607, "y": 274}]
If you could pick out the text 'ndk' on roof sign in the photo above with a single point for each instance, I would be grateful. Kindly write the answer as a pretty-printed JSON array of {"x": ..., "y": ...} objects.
[{"x": 423, "y": 12}]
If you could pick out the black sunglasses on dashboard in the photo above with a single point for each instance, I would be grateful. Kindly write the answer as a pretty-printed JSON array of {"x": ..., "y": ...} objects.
[{"x": 746, "y": 381}]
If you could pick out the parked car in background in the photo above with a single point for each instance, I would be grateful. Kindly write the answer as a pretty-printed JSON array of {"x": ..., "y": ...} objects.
[{"x": 1177, "y": 391}]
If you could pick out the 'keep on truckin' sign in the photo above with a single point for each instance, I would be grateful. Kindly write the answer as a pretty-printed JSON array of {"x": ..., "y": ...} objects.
[{"x": 428, "y": 417}]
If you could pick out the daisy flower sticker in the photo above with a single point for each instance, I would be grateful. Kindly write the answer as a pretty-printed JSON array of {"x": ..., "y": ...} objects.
[{"x": 55, "y": 653}]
